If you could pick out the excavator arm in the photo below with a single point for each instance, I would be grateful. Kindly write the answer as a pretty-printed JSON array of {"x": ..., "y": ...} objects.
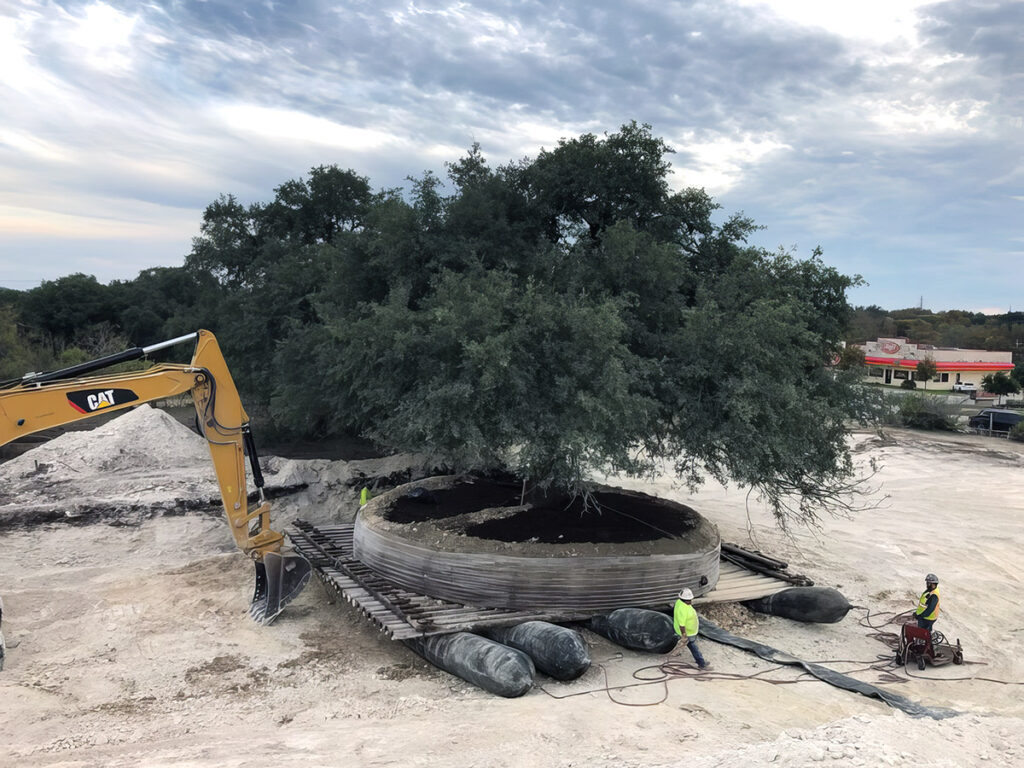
[{"x": 40, "y": 401}]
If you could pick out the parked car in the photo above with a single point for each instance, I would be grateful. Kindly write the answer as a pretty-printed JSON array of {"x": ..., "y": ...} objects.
[
  {"x": 964, "y": 386},
  {"x": 996, "y": 419}
]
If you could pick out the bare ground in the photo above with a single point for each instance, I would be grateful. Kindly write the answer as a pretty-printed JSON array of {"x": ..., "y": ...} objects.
[{"x": 128, "y": 643}]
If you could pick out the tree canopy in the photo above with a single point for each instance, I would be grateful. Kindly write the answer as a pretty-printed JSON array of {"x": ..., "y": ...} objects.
[
  {"x": 552, "y": 316},
  {"x": 927, "y": 369},
  {"x": 999, "y": 383}
]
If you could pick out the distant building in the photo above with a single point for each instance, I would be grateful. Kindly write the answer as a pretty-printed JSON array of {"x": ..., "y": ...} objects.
[{"x": 893, "y": 360}]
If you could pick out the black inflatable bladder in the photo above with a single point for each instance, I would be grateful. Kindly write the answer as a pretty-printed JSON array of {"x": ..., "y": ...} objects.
[
  {"x": 638, "y": 629},
  {"x": 822, "y": 605},
  {"x": 556, "y": 651},
  {"x": 489, "y": 665},
  {"x": 766, "y": 652}
]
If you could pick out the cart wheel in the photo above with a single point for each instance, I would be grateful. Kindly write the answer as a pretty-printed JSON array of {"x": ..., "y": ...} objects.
[
  {"x": 899, "y": 657},
  {"x": 920, "y": 662},
  {"x": 958, "y": 658}
]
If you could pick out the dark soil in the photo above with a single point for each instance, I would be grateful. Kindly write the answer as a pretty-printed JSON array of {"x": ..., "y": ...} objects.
[
  {"x": 421, "y": 505},
  {"x": 614, "y": 518},
  {"x": 601, "y": 517}
]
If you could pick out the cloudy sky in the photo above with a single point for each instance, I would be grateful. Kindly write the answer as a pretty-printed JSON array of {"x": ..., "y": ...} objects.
[{"x": 889, "y": 132}]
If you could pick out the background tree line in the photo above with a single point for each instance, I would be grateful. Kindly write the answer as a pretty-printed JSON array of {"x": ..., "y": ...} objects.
[
  {"x": 549, "y": 316},
  {"x": 955, "y": 328}
]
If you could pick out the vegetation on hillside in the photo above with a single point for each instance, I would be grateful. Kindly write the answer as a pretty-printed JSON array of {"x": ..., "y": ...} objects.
[{"x": 955, "y": 328}]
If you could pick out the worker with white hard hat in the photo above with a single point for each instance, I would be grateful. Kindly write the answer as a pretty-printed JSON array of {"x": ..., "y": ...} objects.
[{"x": 686, "y": 625}]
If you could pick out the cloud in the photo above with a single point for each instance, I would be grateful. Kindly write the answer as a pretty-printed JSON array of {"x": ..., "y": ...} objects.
[
  {"x": 888, "y": 132},
  {"x": 879, "y": 21},
  {"x": 276, "y": 125},
  {"x": 103, "y": 35},
  {"x": 136, "y": 223}
]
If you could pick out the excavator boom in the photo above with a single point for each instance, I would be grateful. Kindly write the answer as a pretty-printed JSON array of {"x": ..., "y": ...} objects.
[{"x": 40, "y": 401}]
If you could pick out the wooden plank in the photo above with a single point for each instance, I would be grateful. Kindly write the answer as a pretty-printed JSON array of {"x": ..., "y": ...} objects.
[{"x": 737, "y": 596}]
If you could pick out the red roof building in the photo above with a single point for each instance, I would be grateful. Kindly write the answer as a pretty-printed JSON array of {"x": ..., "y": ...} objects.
[{"x": 893, "y": 360}]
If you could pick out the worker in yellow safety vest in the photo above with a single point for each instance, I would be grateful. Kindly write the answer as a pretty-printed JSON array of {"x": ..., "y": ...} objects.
[
  {"x": 686, "y": 624},
  {"x": 928, "y": 604}
]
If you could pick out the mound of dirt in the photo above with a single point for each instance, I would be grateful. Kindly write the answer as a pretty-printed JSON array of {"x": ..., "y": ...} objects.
[
  {"x": 142, "y": 462},
  {"x": 145, "y": 463},
  {"x": 143, "y": 438}
]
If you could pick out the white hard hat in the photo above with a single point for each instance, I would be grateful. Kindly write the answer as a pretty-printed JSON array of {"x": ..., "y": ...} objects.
[
  {"x": 686, "y": 594},
  {"x": 931, "y": 578}
]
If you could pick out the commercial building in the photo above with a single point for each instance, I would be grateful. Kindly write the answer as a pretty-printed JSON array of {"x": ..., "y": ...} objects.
[{"x": 894, "y": 360}]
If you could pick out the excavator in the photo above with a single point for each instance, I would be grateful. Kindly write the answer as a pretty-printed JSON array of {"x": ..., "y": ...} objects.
[{"x": 39, "y": 401}]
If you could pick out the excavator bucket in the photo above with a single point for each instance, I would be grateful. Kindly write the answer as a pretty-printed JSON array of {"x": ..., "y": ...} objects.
[{"x": 279, "y": 579}]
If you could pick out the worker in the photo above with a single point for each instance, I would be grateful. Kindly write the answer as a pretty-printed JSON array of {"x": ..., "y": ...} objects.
[
  {"x": 686, "y": 625},
  {"x": 928, "y": 604}
]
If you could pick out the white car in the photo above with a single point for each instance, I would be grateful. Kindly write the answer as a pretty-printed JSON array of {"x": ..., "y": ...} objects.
[{"x": 965, "y": 386}]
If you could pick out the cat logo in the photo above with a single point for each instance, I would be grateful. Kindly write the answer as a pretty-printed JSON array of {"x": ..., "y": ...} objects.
[{"x": 92, "y": 400}]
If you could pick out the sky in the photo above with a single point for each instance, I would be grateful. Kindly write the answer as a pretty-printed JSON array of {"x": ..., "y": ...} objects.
[{"x": 888, "y": 132}]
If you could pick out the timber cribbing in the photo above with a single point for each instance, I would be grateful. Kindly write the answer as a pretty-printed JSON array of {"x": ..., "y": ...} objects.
[{"x": 403, "y": 614}]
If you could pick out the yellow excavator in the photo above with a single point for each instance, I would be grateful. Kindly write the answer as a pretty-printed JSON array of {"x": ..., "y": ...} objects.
[{"x": 39, "y": 401}]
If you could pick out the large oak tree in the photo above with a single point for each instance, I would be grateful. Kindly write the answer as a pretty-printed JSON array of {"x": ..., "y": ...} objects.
[{"x": 552, "y": 316}]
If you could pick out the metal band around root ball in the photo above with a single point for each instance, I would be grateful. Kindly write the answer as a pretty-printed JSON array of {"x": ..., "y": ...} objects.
[{"x": 497, "y": 579}]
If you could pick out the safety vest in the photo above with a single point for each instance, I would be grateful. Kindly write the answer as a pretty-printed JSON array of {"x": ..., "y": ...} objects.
[
  {"x": 684, "y": 620},
  {"x": 922, "y": 605}
]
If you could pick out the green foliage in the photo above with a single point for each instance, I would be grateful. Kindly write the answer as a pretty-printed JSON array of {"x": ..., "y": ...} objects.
[
  {"x": 954, "y": 328},
  {"x": 72, "y": 356},
  {"x": 20, "y": 353},
  {"x": 330, "y": 203},
  {"x": 918, "y": 411},
  {"x": 156, "y": 305},
  {"x": 63, "y": 310},
  {"x": 1018, "y": 374},
  {"x": 1000, "y": 384},
  {"x": 490, "y": 371},
  {"x": 567, "y": 314},
  {"x": 908, "y": 384},
  {"x": 926, "y": 370},
  {"x": 1017, "y": 432},
  {"x": 9, "y": 297},
  {"x": 16, "y": 358},
  {"x": 586, "y": 185},
  {"x": 851, "y": 358},
  {"x": 555, "y": 316},
  {"x": 255, "y": 271},
  {"x": 78, "y": 318}
]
